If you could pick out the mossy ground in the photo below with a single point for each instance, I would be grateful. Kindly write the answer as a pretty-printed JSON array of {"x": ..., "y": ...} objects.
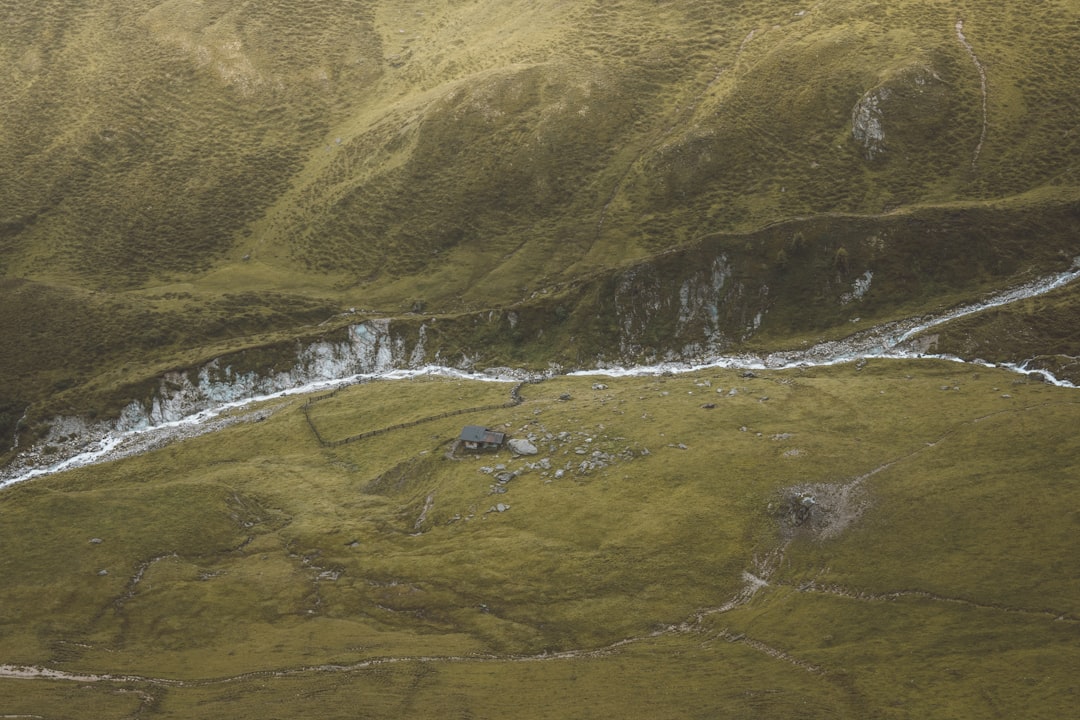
[{"x": 258, "y": 553}]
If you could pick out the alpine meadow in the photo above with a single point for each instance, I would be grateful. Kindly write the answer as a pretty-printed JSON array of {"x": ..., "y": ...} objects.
[{"x": 539, "y": 359}]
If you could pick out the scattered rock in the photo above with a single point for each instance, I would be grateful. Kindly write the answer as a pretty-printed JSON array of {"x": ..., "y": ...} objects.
[
  {"x": 566, "y": 396},
  {"x": 709, "y": 406},
  {"x": 95, "y": 541},
  {"x": 599, "y": 386},
  {"x": 749, "y": 374},
  {"x": 102, "y": 572},
  {"x": 559, "y": 473}
]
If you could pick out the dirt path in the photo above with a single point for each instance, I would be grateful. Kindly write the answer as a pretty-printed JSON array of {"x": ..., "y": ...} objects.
[{"x": 982, "y": 82}]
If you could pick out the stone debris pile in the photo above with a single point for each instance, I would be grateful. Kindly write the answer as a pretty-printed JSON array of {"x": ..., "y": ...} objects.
[{"x": 562, "y": 454}]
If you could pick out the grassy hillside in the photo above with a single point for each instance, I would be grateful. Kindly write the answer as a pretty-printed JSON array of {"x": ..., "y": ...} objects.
[
  {"x": 462, "y": 156},
  {"x": 262, "y": 573},
  {"x": 527, "y": 183}
]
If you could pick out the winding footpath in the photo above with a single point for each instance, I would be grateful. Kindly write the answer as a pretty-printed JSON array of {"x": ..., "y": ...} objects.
[{"x": 982, "y": 82}]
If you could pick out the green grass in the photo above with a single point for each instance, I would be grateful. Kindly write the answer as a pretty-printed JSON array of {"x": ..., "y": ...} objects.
[
  {"x": 360, "y": 409},
  {"x": 260, "y": 550},
  {"x": 542, "y": 183}
]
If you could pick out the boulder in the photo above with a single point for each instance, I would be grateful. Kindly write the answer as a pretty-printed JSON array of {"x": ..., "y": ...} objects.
[{"x": 522, "y": 446}]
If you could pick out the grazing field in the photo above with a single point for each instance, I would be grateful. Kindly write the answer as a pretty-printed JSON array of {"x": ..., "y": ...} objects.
[{"x": 645, "y": 562}]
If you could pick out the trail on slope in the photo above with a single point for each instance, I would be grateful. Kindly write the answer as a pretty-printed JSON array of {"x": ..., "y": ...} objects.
[{"x": 982, "y": 84}]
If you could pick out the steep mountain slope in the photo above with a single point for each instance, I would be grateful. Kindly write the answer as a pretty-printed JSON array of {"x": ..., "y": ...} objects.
[{"x": 222, "y": 173}]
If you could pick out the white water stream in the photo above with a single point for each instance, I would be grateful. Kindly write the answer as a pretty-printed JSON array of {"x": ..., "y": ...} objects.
[{"x": 139, "y": 429}]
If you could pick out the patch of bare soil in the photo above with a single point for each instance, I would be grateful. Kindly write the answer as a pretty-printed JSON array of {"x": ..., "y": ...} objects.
[{"x": 831, "y": 508}]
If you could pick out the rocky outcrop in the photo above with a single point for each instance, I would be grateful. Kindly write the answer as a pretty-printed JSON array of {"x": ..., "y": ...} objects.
[
  {"x": 367, "y": 348},
  {"x": 893, "y": 119},
  {"x": 675, "y": 308},
  {"x": 867, "y": 122}
]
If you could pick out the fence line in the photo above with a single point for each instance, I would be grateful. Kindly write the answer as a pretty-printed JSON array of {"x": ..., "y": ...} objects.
[{"x": 515, "y": 400}]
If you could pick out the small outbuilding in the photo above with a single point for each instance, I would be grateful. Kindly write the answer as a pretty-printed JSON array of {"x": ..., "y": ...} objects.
[{"x": 477, "y": 437}]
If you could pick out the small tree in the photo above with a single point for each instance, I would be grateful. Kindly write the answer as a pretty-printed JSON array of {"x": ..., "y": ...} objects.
[
  {"x": 797, "y": 243},
  {"x": 840, "y": 260}
]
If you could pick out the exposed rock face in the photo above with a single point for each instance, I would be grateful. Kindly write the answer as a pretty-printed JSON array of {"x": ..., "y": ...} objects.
[
  {"x": 894, "y": 119},
  {"x": 867, "y": 122},
  {"x": 859, "y": 288},
  {"x": 705, "y": 311},
  {"x": 368, "y": 348}
]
